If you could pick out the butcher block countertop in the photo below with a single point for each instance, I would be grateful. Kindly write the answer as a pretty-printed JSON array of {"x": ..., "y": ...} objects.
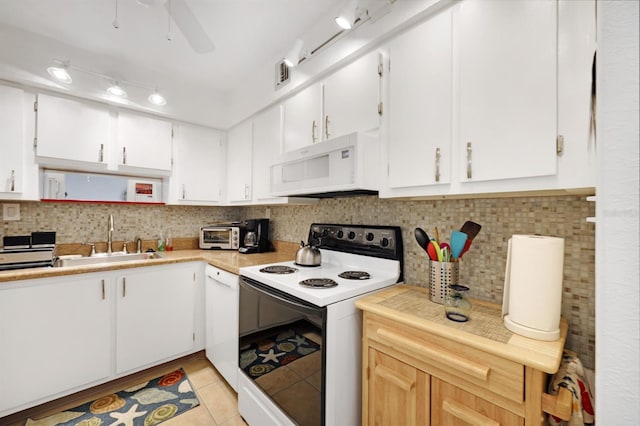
[
  {"x": 229, "y": 260},
  {"x": 485, "y": 331}
]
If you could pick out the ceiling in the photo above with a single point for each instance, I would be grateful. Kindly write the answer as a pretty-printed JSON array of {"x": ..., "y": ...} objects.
[{"x": 250, "y": 36}]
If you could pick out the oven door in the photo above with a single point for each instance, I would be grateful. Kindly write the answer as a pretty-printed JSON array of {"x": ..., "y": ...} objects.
[{"x": 281, "y": 350}]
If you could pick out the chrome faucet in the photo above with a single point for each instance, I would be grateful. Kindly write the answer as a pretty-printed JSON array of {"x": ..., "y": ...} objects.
[{"x": 109, "y": 234}]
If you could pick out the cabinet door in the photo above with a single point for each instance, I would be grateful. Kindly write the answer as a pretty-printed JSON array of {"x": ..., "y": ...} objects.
[
  {"x": 199, "y": 163},
  {"x": 351, "y": 98},
  {"x": 419, "y": 149},
  {"x": 239, "y": 163},
  {"x": 451, "y": 406},
  {"x": 506, "y": 56},
  {"x": 144, "y": 142},
  {"x": 398, "y": 392},
  {"x": 267, "y": 138},
  {"x": 11, "y": 139},
  {"x": 72, "y": 130},
  {"x": 56, "y": 335},
  {"x": 221, "y": 293},
  {"x": 155, "y": 315},
  {"x": 302, "y": 123}
]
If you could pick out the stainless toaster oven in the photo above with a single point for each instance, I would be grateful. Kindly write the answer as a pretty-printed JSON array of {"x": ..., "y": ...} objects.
[{"x": 222, "y": 236}]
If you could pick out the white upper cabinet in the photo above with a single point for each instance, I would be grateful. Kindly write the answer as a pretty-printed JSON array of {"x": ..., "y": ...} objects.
[
  {"x": 345, "y": 102},
  {"x": 71, "y": 131},
  {"x": 419, "y": 144},
  {"x": 352, "y": 97},
  {"x": 267, "y": 139},
  {"x": 240, "y": 163},
  {"x": 144, "y": 143},
  {"x": 11, "y": 140},
  {"x": 506, "y": 68},
  {"x": 302, "y": 123},
  {"x": 199, "y": 165}
]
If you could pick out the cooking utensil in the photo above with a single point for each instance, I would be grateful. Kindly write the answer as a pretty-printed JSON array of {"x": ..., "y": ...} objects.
[
  {"x": 437, "y": 250},
  {"x": 422, "y": 238},
  {"x": 431, "y": 251},
  {"x": 471, "y": 229},
  {"x": 308, "y": 255},
  {"x": 458, "y": 240},
  {"x": 437, "y": 236}
]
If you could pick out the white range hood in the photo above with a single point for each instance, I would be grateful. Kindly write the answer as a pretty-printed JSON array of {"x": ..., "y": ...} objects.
[{"x": 346, "y": 165}]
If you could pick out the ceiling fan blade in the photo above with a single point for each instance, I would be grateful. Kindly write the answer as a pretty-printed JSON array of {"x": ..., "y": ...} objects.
[{"x": 189, "y": 26}]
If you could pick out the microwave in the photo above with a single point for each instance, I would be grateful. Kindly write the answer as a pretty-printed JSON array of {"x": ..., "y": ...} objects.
[{"x": 222, "y": 236}]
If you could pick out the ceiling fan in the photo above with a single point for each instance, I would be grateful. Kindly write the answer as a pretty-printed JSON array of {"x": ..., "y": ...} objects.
[{"x": 186, "y": 21}]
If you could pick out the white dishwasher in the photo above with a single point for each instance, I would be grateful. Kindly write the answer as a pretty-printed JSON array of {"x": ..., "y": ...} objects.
[{"x": 221, "y": 294}]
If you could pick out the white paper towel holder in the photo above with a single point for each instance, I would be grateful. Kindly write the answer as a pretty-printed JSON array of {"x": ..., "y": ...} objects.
[{"x": 549, "y": 334}]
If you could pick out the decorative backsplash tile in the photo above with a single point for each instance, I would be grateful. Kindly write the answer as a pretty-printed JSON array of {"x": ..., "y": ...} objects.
[{"x": 482, "y": 268}]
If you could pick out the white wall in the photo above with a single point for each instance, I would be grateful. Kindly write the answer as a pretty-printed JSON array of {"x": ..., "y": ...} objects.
[{"x": 617, "y": 228}]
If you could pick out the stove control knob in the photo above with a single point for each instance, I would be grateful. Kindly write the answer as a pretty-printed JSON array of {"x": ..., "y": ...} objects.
[
  {"x": 352, "y": 235},
  {"x": 340, "y": 234},
  {"x": 384, "y": 242},
  {"x": 369, "y": 236},
  {"x": 325, "y": 232}
]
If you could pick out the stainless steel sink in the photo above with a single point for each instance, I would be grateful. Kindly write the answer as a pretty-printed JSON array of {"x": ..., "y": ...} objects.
[{"x": 106, "y": 258}]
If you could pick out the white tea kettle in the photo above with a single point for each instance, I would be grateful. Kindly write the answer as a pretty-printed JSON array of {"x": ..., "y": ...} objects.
[{"x": 308, "y": 255}]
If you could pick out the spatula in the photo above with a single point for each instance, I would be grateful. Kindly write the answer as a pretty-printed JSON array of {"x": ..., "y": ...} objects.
[
  {"x": 458, "y": 240},
  {"x": 471, "y": 229}
]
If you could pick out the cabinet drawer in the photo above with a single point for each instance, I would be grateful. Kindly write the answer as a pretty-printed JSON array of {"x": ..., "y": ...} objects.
[
  {"x": 453, "y": 406},
  {"x": 467, "y": 368}
]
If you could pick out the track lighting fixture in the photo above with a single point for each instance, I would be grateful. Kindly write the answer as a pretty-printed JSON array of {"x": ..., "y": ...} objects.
[
  {"x": 348, "y": 15},
  {"x": 157, "y": 99},
  {"x": 115, "y": 89},
  {"x": 59, "y": 72},
  {"x": 292, "y": 58}
]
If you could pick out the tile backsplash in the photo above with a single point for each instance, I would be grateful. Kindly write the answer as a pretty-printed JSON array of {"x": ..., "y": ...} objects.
[{"x": 482, "y": 268}]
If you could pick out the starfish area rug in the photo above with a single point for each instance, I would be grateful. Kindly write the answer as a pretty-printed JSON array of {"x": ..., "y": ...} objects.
[
  {"x": 145, "y": 404},
  {"x": 263, "y": 356}
]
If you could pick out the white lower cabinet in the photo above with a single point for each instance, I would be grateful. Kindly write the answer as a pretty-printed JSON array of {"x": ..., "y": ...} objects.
[
  {"x": 155, "y": 314},
  {"x": 56, "y": 336},
  {"x": 221, "y": 316},
  {"x": 60, "y": 335}
]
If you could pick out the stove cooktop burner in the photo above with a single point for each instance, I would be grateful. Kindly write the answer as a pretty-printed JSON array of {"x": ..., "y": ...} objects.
[
  {"x": 355, "y": 275},
  {"x": 279, "y": 269},
  {"x": 318, "y": 283}
]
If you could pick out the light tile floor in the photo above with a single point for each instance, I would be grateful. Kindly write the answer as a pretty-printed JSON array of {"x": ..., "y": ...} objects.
[{"x": 218, "y": 401}]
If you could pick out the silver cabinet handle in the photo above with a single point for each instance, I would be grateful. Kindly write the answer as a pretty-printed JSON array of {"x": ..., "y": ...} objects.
[
  {"x": 469, "y": 150},
  {"x": 246, "y": 192},
  {"x": 184, "y": 192},
  {"x": 13, "y": 180},
  {"x": 124, "y": 287},
  {"x": 437, "y": 164},
  {"x": 103, "y": 294},
  {"x": 313, "y": 132},
  {"x": 326, "y": 127},
  {"x": 124, "y": 155},
  {"x": 101, "y": 152}
]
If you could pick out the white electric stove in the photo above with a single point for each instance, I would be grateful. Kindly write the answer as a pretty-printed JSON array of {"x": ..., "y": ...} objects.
[{"x": 318, "y": 302}]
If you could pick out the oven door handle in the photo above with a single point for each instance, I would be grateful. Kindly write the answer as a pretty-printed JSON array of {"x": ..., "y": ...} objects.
[{"x": 249, "y": 286}]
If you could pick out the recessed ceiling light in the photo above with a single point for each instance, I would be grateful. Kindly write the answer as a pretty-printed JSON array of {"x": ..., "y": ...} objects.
[
  {"x": 157, "y": 99},
  {"x": 60, "y": 74},
  {"x": 116, "y": 90}
]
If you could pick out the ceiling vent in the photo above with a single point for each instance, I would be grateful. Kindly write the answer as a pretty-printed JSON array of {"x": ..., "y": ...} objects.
[{"x": 283, "y": 75}]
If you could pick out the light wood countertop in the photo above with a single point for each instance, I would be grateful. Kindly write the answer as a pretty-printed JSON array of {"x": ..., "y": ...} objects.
[
  {"x": 229, "y": 260},
  {"x": 410, "y": 305}
]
